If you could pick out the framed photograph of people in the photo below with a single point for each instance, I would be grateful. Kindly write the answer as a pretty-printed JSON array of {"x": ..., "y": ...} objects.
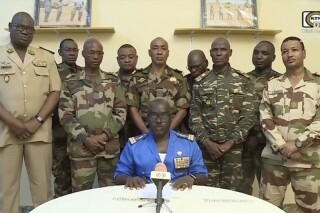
[
  {"x": 229, "y": 13},
  {"x": 63, "y": 13}
]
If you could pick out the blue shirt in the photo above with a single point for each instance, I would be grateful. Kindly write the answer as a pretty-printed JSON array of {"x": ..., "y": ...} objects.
[{"x": 140, "y": 156}]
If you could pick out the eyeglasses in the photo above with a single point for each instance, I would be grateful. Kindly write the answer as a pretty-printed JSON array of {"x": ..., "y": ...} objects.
[
  {"x": 21, "y": 28},
  {"x": 163, "y": 116}
]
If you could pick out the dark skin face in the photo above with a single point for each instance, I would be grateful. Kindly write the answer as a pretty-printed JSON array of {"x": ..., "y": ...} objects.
[
  {"x": 197, "y": 63},
  {"x": 159, "y": 118},
  {"x": 220, "y": 52},
  {"x": 21, "y": 30},
  {"x": 127, "y": 59},
  {"x": 93, "y": 54},
  {"x": 159, "y": 51},
  {"x": 292, "y": 54},
  {"x": 69, "y": 52},
  {"x": 263, "y": 56}
]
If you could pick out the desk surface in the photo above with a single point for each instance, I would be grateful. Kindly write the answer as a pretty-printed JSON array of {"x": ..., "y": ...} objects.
[{"x": 118, "y": 199}]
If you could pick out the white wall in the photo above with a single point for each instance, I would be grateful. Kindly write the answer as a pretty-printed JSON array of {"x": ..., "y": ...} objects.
[{"x": 139, "y": 21}]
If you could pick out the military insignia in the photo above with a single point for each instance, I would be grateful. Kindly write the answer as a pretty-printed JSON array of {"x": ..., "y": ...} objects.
[
  {"x": 38, "y": 63},
  {"x": 173, "y": 80},
  {"x": 208, "y": 102},
  {"x": 5, "y": 65},
  {"x": 293, "y": 105},
  {"x": 10, "y": 50},
  {"x": 275, "y": 92},
  {"x": 31, "y": 52},
  {"x": 186, "y": 136},
  {"x": 133, "y": 140},
  {"x": 181, "y": 162},
  {"x": 6, "y": 78},
  {"x": 179, "y": 153},
  {"x": 141, "y": 80}
]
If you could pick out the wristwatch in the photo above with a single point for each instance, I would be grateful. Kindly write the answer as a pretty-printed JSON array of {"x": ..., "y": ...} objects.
[
  {"x": 193, "y": 176},
  {"x": 39, "y": 118},
  {"x": 298, "y": 143}
]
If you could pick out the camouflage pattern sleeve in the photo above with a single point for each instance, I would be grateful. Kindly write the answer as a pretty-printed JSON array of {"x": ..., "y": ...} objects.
[
  {"x": 67, "y": 115},
  {"x": 246, "y": 118},
  {"x": 196, "y": 118},
  {"x": 184, "y": 96},
  {"x": 133, "y": 96},
  {"x": 266, "y": 118},
  {"x": 119, "y": 112}
]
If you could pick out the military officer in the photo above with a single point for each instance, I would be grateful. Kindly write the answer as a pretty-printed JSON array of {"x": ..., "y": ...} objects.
[
  {"x": 221, "y": 115},
  {"x": 158, "y": 80},
  {"x": 92, "y": 110},
  {"x": 179, "y": 152}
]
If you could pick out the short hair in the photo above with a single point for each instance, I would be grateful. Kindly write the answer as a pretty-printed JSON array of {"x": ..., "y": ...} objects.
[
  {"x": 268, "y": 43},
  {"x": 126, "y": 46},
  {"x": 293, "y": 38},
  {"x": 64, "y": 40},
  {"x": 159, "y": 101}
]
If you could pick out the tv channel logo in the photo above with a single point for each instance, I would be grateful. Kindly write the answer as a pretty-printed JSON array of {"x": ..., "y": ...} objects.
[{"x": 311, "y": 19}]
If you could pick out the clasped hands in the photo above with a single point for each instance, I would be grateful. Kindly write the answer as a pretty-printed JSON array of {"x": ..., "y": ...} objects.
[
  {"x": 179, "y": 184},
  {"x": 290, "y": 151},
  {"x": 217, "y": 150},
  {"x": 24, "y": 130},
  {"x": 95, "y": 143}
]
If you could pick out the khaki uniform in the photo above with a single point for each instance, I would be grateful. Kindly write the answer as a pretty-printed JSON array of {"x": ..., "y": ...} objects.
[
  {"x": 287, "y": 114},
  {"x": 24, "y": 89}
]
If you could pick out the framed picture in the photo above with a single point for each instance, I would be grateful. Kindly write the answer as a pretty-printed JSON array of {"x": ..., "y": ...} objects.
[
  {"x": 229, "y": 13},
  {"x": 63, "y": 13}
]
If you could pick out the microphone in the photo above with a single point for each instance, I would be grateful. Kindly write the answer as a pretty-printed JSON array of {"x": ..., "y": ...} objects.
[{"x": 160, "y": 177}]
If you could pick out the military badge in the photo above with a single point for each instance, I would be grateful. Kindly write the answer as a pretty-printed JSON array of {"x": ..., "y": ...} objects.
[
  {"x": 181, "y": 163},
  {"x": 141, "y": 80},
  {"x": 173, "y": 80},
  {"x": 38, "y": 63},
  {"x": 6, "y": 78},
  {"x": 208, "y": 102},
  {"x": 10, "y": 50},
  {"x": 5, "y": 65},
  {"x": 31, "y": 52},
  {"x": 179, "y": 153},
  {"x": 293, "y": 105}
]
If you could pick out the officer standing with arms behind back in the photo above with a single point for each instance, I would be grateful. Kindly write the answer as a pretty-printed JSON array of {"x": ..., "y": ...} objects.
[
  {"x": 92, "y": 110},
  {"x": 221, "y": 115},
  {"x": 60, "y": 163},
  {"x": 262, "y": 58},
  {"x": 29, "y": 91}
]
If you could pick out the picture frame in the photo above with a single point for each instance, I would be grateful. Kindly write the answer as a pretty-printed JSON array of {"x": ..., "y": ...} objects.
[
  {"x": 229, "y": 13},
  {"x": 63, "y": 13}
]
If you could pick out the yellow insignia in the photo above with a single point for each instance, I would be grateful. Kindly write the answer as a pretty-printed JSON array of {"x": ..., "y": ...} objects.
[
  {"x": 293, "y": 105},
  {"x": 31, "y": 52},
  {"x": 6, "y": 78},
  {"x": 141, "y": 80},
  {"x": 186, "y": 136},
  {"x": 132, "y": 140},
  {"x": 208, "y": 102},
  {"x": 38, "y": 63},
  {"x": 10, "y": 50},
  {"x": 173, "y": 80}
]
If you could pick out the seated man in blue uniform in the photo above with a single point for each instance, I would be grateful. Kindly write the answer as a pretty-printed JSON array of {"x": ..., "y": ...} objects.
[{"x": 179, "y": 152}]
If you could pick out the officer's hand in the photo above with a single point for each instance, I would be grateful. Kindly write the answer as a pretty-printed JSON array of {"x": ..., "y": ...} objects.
[
  {"x": 226, "y": 146},
  {"x": 32, "y": 126},
  {"x": 288, "y": 148},
  {"x": 135, "y": 183},
  {"x": 20, "y": 129},
  {"x": 251, "y": 143},
  {"x": 212, "y": 148},
  {"x": 182, "y": 183},
  {"x": 93, "y": 144},
  {"x": 296, "y": 156}
]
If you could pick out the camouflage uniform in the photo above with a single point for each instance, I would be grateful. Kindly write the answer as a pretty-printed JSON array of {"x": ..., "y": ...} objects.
[
  {"x": 222, "y": 109},
  {"x": 92, "y": 107},
  {"x": 251, "y": 160},
  {"x": 129, "y": 129},
  {"x": 60, "y": 163},
  {"x": 146, "y": 87},
  {"x": 289, "y": 114}
]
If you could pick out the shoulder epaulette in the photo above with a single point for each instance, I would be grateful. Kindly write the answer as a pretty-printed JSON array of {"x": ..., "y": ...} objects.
[
  {"x": 186, "y": 136},
  {"x": 317, "y": 73},
  {"x": 46, "y": 50},
  {"x": 133, "y": 140},
  {"x": 241, "y": 73},
  {"x": 202, "y": 76}
]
